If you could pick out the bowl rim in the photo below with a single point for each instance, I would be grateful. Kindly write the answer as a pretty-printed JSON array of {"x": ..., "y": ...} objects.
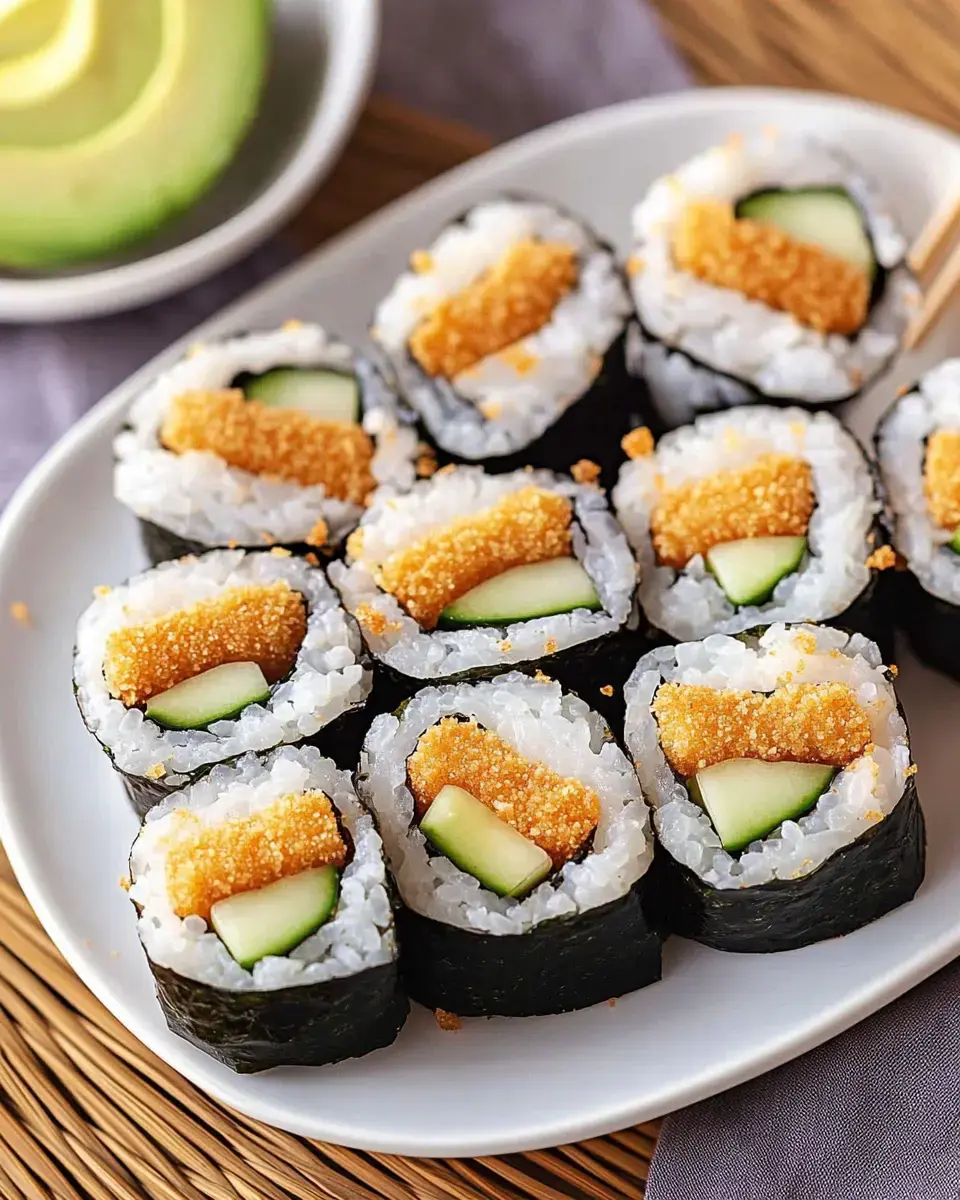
[{"x": 349, "y": 75}]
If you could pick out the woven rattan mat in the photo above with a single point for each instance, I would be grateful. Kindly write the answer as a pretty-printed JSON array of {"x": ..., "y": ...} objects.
[{"x": 87, "y": 1111}]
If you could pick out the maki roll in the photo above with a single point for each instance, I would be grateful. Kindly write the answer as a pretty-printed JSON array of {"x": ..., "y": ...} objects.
[
  {"x": 769, "y": 269},
  {"x": 754, "y": 516},
  {"x": 783, "y": 790},
  {"x": 470, "y": 572},
  {"x": 199, "y": 660},
  {"x": 272, "y": 438},
  {"x": 264, "y": 914},
  {"x": 918, "y": 449},
  {"x": 519, "y": 841},
  {"x": 505, "y": 335}
]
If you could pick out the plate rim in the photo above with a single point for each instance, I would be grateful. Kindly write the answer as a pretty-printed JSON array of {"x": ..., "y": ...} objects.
[{"x": 818, "y": 1029}]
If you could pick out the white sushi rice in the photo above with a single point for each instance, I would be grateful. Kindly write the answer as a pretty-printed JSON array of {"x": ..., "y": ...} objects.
[
  {"x": 690, "y": 604},
  {"x": 360, "y": 935},
  {"x": 496, "y": 408},
  {"x": 392, "y": 524},
  {"x": 860, "y": 796},
  {"x": 542, "y": 723},
  {"x": 752, "y": 345},
  {"x": 901, "y": 450},
  {"x": 328, "y": 677},
  {"x": 200, "y": 497}
]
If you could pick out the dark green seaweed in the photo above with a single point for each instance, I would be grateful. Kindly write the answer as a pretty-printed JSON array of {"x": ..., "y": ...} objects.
[
  {"x": 878, "y": 872},
  {"x": 558, "y": 966},
  {"x": 309, "y": 1025}
]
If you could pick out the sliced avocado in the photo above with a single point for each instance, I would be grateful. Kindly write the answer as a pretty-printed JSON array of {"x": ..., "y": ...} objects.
[
  {"x": 826, "y": 217},
  {"x": 474, "y": 838},
  {"x": 27, "y": 25},
  {"x": 747, "y": 798},
  {"x": 331, "y": 395},
  {"x": 275, "y": 918},
  {"x": 749, "y": 569},
  {"x": 214, "y": 695},
  {"x": 954, "y": 542},
  {"x": 99, "y": 80},
  {"x": 540, "y": 589},
  {"x": 33, "y": 77},
  {"x": 59, "y": 204}
]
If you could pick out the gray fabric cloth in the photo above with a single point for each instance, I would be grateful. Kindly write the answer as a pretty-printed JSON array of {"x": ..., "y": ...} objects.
[{"x": 872, "y": 1115}]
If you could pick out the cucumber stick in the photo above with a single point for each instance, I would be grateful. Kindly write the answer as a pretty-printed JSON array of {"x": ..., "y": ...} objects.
[
  {"x": 540, "y": 589},
  {"x": 275, "y": 918},
  {"x": 214, "y": 695},
  {"x": 826, "y": 217},
  {"x": 330, "y": 395},
  {"x": 474, "y": 838},
  {"x": 747, "y": 798},
  {"x": 749, "y": 569}
]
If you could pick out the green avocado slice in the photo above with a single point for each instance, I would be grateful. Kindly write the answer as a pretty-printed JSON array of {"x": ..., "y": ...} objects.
[
  {"x": 80, "y": 84},
  {"x": 214, "y": 695},
  {"x": 749, "y": 569},
  {"x": 64, "y": 203},
  {"x": 542, "y": 589}
]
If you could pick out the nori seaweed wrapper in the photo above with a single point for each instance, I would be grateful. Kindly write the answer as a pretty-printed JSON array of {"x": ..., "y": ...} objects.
[
  {"x": 878, "y": 872},
  {"x": 558, "y": 966},
  {"x": 309, "y": 1025}
]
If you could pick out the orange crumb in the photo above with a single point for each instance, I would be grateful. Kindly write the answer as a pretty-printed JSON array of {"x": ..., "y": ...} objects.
[
  {"x": 312, "y": 559},
  {"x": 291, "y": 325},
  {"x": 282, "y": 442},
  {"x": 638, "y": 443},
  {"x": 21, "y": 614},
  {"x": 102, "y": 590},
  {"x": 525, "y": 526},
  {"x": 855, "y": 375},
  {"x": 207, "y": 863},
  {"x": 261, "y": 623},
  {"x": 882, "y": 558},
  {"x": 902, "y": 390},
  {"x": 319, "y": 534},
  {"x": 635, "y": 264},
  {"x": 911, "y": 770},
  {"x": 267, "y": 537},
  {"x": 550, "y": 646},
  {"x": 558, "y": 814},
  {"x": 449, "y": 1022},
  {"x": 281, "y": 552},
  {"x": 521, "y": 359},
  {"x": 157, "y": 771},
  {"x": 376, "y": 622},
  {"x": 232, "y": 544},
  {"x": 515, "y": 298},
  {"x": 612, "y": 1002},
  {"x": 125, "y": 882},
  {"x": 426, "y": 466},
  {"x": 763, "y": 263},
  {"x": 894, "y": 670},
  {"x": 540, "y": 677},
  {"x": 805, "y": 722},
  {"x": 491, "y": 409},
  {"x": 505, "y": 646},
  {"x": 421, "y": 261},
  {"x": 606, "y": 690},
  {"x": 941, "y": 477},
  {"x": 805, "y": 642},
  {"x": 772, "y": 497},
  {"x": 585, "y": 471}
]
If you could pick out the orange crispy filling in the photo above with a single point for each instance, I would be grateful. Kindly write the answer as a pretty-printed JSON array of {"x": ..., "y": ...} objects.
[
  {"x": 261, "y": 623},
  {"x": 773, "y": 497},
  {"x": 762, "y": 262},
  {"x": 279, "y": 442},
  {"x": 941, "y": 477},
  {"x": 803, "y": 722},
  {"x": 207, "y": 863},
  {"x": 558, "y": 814},
  {"x": 515, "y": 298},
  {"x": 526, "y": 526}
]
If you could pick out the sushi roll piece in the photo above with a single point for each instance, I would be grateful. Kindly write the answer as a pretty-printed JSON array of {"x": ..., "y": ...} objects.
[
  {"x": 263, "y": 910},
  {"x": 783, "y": 790},
  {"x": 506, "y": 336},
  {"x": 765, "y": 269},
  {"x": 274, "y": 438},
  {"x": 918, "y": 449},
  {"x": 469, "y": 573},
  {"x": 520, "y": 845},
  {"x": 753, "y": 516},
  {"x": 196, "y": 661}
]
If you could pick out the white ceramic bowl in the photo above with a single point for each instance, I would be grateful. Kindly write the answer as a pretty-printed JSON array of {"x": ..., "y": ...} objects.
[{"x": 323, "y": 54}]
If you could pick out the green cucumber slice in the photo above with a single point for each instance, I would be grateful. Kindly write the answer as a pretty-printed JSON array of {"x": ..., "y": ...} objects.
[
  {"x": 540, "y": 589},
  {"x": 214, "y": 695},
  {"x": 749, "y": 569},
  {"x": 275, "y": 918},
  {"x": 474, "y": 838},
  {"x": 825, "y": 217},
  {"x": 954, "y": 542},
  {"x": 330, "y": 395},
  {"x": 747, "y": 798}
]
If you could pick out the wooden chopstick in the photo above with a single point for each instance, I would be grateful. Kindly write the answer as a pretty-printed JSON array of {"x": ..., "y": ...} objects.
[{"x": 945, "y": 284}]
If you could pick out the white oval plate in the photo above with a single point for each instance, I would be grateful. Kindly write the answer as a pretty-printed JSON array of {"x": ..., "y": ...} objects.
[
  {"x": 499, "y": 1085},
  {"x": 322, "y": 57}
]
